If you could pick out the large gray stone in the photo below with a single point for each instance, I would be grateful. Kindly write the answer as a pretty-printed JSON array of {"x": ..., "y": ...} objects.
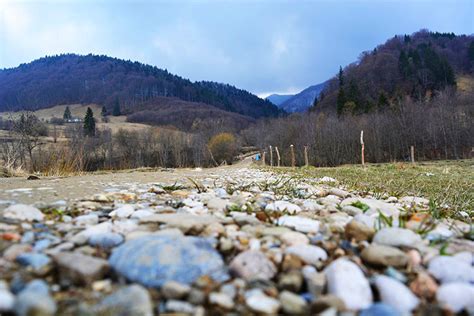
[
  {"x": 35, "y": 300},
  {"x": 450, "y": 269},
  {"x": 23, "y": 212},
  {"x": 77, "y": 268},
  {"x": 396, "y": 294},
  {"x": 130, "y": 300},
  {"x": 153, "y": 260},
  {"x": 252, "y": 264},
  {"x": 397, "y": 237}
]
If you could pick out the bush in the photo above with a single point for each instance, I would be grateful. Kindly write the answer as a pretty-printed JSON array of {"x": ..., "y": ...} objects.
[{"x": 223, "y": 147}]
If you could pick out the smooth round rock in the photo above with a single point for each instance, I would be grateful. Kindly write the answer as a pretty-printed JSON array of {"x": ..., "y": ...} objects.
[
  {"x": 299, "y": 223},
  {"x": 397, "y": 237},
  {"x": 449, "y": 269},
  {"x": 347, "y": 282},
  {"x": 380, "y": 255},
  {"x": 396, "y": 294},
  {"x": 379, "y": 309},
  {"x": 153, "y": 260},
  {"x": 23, "y": 212},
  {"x": 251, "y": 265},
  {"x": 308, "y": 253},
  {"x": 261, "y": 303},
  {"x": 35, "y": 300},
  {"x": 7, "y": 299},
  {"x": 456, "y": 296},
  {"x": 130, "y": 300},
  {"x": 105, "y": 240}
]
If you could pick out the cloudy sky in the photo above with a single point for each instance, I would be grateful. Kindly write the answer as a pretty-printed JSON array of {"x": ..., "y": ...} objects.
[{"x": 262, "y": 46}]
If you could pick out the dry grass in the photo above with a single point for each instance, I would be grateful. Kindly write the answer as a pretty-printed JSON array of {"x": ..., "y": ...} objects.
[{"x": 449, "y": 185}]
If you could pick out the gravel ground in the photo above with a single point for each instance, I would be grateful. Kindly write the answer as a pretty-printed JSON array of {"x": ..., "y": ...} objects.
[{"x": 225, "y": 241}]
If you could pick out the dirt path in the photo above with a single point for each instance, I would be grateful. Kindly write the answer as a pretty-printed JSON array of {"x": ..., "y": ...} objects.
[{"x": 51, "y": 189}]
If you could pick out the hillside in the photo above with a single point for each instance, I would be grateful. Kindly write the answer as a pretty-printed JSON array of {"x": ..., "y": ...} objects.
[
  {"x": 302, "y": 101},
  {"x": 415, "y": 66},
  {"x": 278, "y": 99},
  {"x": 71, "y": 79}
]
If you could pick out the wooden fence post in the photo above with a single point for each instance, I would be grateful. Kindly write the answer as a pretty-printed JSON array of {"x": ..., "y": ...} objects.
[
  {"x": 271, "y": 156},
  {"x": 412, "y": 154},
  {"x": 293, "y": 160},
  {"x": 306, "y": 160},
  {"x": 362, "y": 147},
  {"x": 263, "y": 158},
  {"x": 278, "y": 156}
]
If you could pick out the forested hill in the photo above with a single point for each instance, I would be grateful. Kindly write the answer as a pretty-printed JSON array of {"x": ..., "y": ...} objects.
[
  {"x": 70, "y": 78},
  {"x": 417, "y": 65}
]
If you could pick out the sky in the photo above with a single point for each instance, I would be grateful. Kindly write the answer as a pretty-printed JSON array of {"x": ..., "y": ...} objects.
[{"x": 266, "y": 46}]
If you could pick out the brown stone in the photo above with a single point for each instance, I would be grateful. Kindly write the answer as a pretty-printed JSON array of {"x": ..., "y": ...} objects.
[{"x": 424, "y": 286}]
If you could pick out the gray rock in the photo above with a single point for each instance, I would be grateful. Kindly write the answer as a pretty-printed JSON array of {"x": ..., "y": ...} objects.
[
  {"x": 380, "y": 255},
  {"x": 77, "y": 268},
  {"x": 359, "y": 231},
  {"x": 397, "y": 237},
  {"x": 299, "y": 223},
  {"x": 308, "y": 253},
  {"x": 175, "y": 290},
  {"x": 39, "y": 262},
  {"x": 83, "y": 236},
  {"x": 183, "y": 307},
  {"x": 456, "y": 297},
  {"x": 156, "y": 259},
  {"x": 396, "y": 294},
  {"x": 294, "y": 238},
  {"x": 251, "y": 265},
  {"x": 292, "y": 303},
  {"x": 129, "y": 300},
  {"x": 450, "y": 269},
  {"x": 347, "y": 282},
  {"x": 187, "y": 223},
  {"x": 375, "y": 206},
  {"x": 87, "y": 220},
  {"x": 23, "y": 212},
  {"x": 106, "y": 240},
  {"x": 351, "y": 210},
  {"x": 222, "y": 300},
  {"x": 7, "y": 299},
  {"x": 141, "y": 214},
  {"x": 283, "y": 206},
  {"x": 261, "y": 303},
  {"x": 123, "y": 212},
  {"x": 35, "y": 300}
]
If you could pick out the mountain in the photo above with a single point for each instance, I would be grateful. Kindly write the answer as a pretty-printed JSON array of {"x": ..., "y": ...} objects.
[
  {"x": 416, "y": 66},
  {"x": 302, "y": 101},
  {"x": 278, "y": 99},
  {"x": 71, "y": 78}
]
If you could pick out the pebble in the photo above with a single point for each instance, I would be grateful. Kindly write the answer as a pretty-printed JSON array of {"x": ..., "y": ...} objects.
[
  {"x": 175, "y": 290},
  {"x": 141, "y": 214},
  {"x": 359, "y": 231},
  {"x": 294, "y": 238},
  {"x": 450, "y": 269},
  {"x": 251, "y": 265},
  {"x": 283, "y": 206},
  {"x": 221, "y": 299},
  {"x": 292, "y": 303},
  {"x": 154, "y": 260},
  {"x": 77, "y": 268},
  {"x": 397, "y": 237},
  {"x": 122, "y": 212},
  {"x": 34, "y": 300},
  {"x": 261, "y": 303},
  {"x": 308, "y": 253},
  {"x": 379, "y": 255},
  {"x": 23, "y": 212},
  {"x": 86, "y": 220},
  {"x": 347, "y": 282},
  {"x": 7, "y": 299},
  {"x": 424, "y": 286},
  {"x": 456, "y": 297},
  {"x": 380, "y": 309},
  {"x": 180, "y": 307},
  {"x": 396, "y": 294},
  {"x": 106, "y": 240},
  {"x": 39, "y": 262},
  {"x": 301, "y": 224},
  {"x": 130, "y": 300}
]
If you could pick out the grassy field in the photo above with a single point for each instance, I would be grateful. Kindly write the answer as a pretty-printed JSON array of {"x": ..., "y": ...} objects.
[{"x": 449, "y": 185}]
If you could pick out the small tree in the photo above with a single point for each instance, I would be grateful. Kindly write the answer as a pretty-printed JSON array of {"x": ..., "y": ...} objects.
[
  {"x": 89, "y": 123},
  {"x": 103, "y": 113},
  {"x": 223, "y": 147},
  {"x": 67, "y": 114},
  {"x": 116, "y": 110}
]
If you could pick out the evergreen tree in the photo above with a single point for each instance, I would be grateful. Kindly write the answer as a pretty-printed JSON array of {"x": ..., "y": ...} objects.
[
  {"x": 341, "y": 77},
  {"x": 116, "y": 111},
  {"x": 383, "y": 100},
  {"x": 470, "y": 51},
  {"x": 103, "y": 113},
  {"x": 67, "y": 114},
  {"x": 403, "y": 64},
  {"x": 341, "y": 101},
  {"x": 89, "y": 123}
]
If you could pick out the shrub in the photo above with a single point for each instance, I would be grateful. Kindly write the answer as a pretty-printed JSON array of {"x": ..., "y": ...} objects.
[{"x": 223, "y": 147}]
